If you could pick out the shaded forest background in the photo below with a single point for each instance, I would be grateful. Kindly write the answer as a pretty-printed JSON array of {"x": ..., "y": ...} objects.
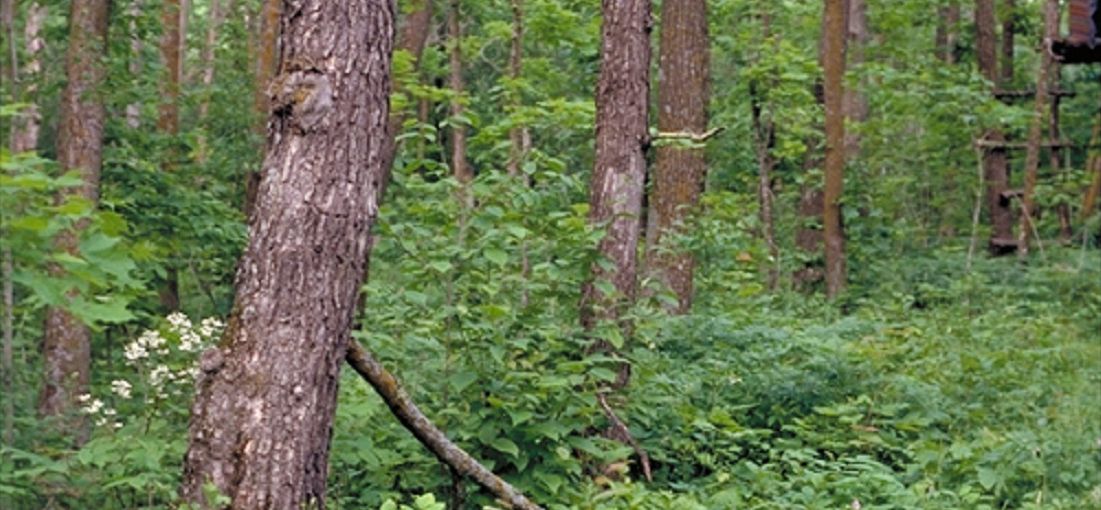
[{"x": 946, "y": 368}]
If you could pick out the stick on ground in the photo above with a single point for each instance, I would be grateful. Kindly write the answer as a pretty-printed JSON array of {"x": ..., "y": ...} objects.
[{"x": 386, "y": 385}]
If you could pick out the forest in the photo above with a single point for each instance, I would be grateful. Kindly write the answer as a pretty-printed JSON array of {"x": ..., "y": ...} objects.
[{"x": 550, "y": 254}]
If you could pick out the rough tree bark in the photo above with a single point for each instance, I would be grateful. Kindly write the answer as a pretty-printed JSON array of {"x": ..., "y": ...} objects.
[
  {"x": 267, "y": 54},
  {"x": 262, "y": 418},
  {"x": 834, "y": 72},
  {"x": 168, "y": 120},
  {"x": 1035, "y": 130},
  {"x": 66, "y": 340},
  {"x": 459, "y": 166},
  {"x": 619, "y": 173},
  {"x": 995, "y": 160},
  {"x": 679, "y": 172}
]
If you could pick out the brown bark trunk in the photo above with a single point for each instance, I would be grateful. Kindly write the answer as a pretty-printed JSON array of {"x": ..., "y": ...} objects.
[
  {"x": 854, "y": 104},
  {"x": 168, "y": 120},
  {"x": 133, "y": 110},
  {"x": 1062, "y": 209},
  {"x": 679, "y": 171},
  {"x": 985, "y": 43},
  {"x": 267, "y": 53},
  {"x": 619, "y": 173},
  {"x": 995, "y": 160},
  {"x": 995, "y": 173},
  {"x": 619, "y": 169},
  {"x": 833, "y": 87},
  {"x": 262, "y": 418},
  {"x": 66, "y": 340},
  {"x": 459, "y": 167},
  {"x": 1008, "y": 29},
  {"x": 217, "y": 14},
  {"x": 1035, "y": 131},
  {"x": 947, "y": 34}
]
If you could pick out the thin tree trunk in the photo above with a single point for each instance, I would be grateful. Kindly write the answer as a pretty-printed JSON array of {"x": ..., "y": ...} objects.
[
  {"x": 518, "y": 136},
  {"x": 411, "y": 38},
  {"x": 834, "y": 72},
  {"x": 854, "y": 104},
  {"x": 764, "y": 139},
  {"x": 1008, "y": 31},
  {"x": 1093, "y": 165},
  {"x": 1062, "y": 209},
  {"x": 217, "y": 14},
  {"x": 133, "y": 110},
  {"x": 459, "y": 166},
  {"x": 267, "y": 54},
  {"x": 168, "y": 120},
  {"x": 66, "y": 340},
  {"x": 679, "y": 172},
  {"x": 1035, "y": 131},
  {"x": 947, "y": 34},
  {"x": 262, "y": 419},
  {"x": 986, "y": 52}
]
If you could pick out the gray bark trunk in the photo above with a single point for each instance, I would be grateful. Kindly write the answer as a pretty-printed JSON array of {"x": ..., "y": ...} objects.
[{"x": 262, "y": 418}]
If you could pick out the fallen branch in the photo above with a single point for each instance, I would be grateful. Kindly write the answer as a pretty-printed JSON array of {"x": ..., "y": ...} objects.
[
  {"x": 619, "y": 431},
  {"x": 386, "y": 385}
]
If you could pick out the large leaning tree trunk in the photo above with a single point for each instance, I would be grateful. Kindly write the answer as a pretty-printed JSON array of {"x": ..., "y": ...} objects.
[
  {"x": 262, "y": 418},
  {"x": 833, "y": 67},
  {"x": 678, "y": 171},
  {"x": 66, "y": 340}
]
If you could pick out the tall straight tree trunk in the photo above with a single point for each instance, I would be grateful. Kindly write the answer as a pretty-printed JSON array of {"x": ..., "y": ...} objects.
[
  {"x": 133, "y": 110},
  {"x": 764, "y": 141},
  {"x": 24, "y": 137},
  {"x": 168, "y": 120},
  {"x": 518, "y": 135},
  {"x": 1009, "y": 27},
  {"x": 619, "y": 169},
  {"x": 267, "y": 54},
  {"x": 947, "y": 34},
  {"x": 459, "y": 167},
  {"x": 834, "y": 73},
  {"x": 1035, "y": 131},
  {"x": 262, "y": 419},
  {"x": 217, "y": 15},
  {"x": 995, "y": 159},
  {"x": 854, "y": 104},
  {"x": 679, "y": 171},
  {"x": 66, "y": 340}
]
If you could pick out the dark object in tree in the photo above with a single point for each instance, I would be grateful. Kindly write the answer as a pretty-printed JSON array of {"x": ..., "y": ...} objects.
[
  {"x": 834, "y": 71},
  {"x": 1083, "y": 45},
  {"x": 66, "y": 341},
  {"x": 262, "y": 418},
  {"x": 679, "y": 172},
  {"x": 1010, "y": 95},
  {"x": 402, "y": 406}
]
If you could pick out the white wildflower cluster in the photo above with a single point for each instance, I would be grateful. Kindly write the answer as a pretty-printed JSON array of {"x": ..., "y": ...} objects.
[
  {"x": 95, "y": 407},
  {"x": 167, "y": 360}
]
